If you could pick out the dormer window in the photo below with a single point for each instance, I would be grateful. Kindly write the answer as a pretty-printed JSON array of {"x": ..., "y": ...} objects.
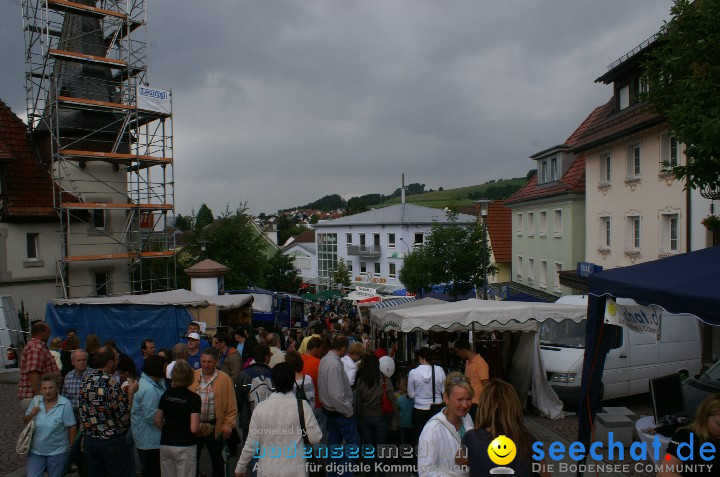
[{"x": 548, "y": 170}]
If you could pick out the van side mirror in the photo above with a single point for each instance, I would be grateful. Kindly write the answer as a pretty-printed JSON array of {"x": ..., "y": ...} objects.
[{"x": 614, "y": 334}]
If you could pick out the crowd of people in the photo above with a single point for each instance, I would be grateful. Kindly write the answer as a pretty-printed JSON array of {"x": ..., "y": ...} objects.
[{"x": 288, "y": 403}]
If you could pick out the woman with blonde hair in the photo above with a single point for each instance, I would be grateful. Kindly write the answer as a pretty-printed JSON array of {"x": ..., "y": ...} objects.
[
  {"x": 704, "y": 428},
  {"x": 442, "y": 435},
  {"x": 499, "y": 414}
]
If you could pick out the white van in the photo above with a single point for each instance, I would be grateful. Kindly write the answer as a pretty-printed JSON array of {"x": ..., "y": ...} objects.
[
  {"x": 11, "y": 339},
  {"x": 628, "y": 368}
]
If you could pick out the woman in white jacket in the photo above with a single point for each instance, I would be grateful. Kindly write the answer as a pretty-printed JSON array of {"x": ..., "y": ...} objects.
[
  {"x": 420, "y": 388},
  {"x": 441, "y": 438},
  {"x": 275, "y": 431}
]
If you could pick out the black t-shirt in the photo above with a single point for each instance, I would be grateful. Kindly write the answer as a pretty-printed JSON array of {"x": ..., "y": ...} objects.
[
  {"x": 697, "y": 465},
  {"x": 477, "y": 442},
  {"x": 177, "y": 405}
]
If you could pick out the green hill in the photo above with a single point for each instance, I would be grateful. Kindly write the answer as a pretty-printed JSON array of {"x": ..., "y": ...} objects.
[{"x": 463, "y": 195}]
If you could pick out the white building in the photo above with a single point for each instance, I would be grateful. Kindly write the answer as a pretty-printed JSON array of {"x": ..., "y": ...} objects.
[
  {"x": 302, "y": 250},
  {"x": 375, "y": 243}
]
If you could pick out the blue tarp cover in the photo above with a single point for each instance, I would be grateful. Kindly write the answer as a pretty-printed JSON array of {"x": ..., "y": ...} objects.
[
  {"x": 684, "y": 283},
  {"x": 127, "y": 325}
]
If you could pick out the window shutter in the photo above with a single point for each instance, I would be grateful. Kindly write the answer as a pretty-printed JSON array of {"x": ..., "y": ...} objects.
[{"x": 630, "y": 161}]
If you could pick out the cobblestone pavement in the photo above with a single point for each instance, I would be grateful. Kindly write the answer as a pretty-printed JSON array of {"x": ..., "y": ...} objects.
[{"x": 10, "y": 426}]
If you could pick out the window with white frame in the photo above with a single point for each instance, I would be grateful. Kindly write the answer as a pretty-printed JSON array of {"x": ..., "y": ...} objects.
[
  {"x": 543, "y": 171},
  {"x": 392, "y": 270},
  {"x": 670, "y": 233},
  {"x": 633, "y": 160},
  {"x": 349, "y": 266},
  {"x": 377, "y": 268},
  {"x": 554, "y": 169},
  {"x": 543, "y": 223},
  {"x": 605, "y": 167},
  {"x": 348, "y": 238},
  {"x": 531, "y": 224},
  {"x": 362, "y": 239},
  {"x": 519, "y": 267},
  {"x": 519, "y": 224},
  {"x": 391, "y": 240},
  {"x": 33, "y": 246},
  {"x": 558, "y": 268},
  {"x": 376, "y": 240},
  {"x": 557, "y": 223},
  {"x": 363, "y": 267},
  {"x": 543, "y": 273},
  {"x": 531, "y": 270},
  {"x": 605, "y": 232},
  {"x": 633, "y": 233},
  {"x": 419, "y": 239}
]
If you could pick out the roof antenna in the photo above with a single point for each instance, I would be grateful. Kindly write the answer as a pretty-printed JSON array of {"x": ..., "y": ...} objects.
[{"x": 402, "y": 190}]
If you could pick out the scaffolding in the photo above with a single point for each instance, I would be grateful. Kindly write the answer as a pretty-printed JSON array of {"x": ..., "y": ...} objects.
[{"x": 107, "y": 139}]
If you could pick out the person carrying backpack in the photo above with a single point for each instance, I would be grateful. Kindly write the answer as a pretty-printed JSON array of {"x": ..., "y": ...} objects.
[
  {"x": 304, "y": 387},
  {"x": 253, "y": 385}
]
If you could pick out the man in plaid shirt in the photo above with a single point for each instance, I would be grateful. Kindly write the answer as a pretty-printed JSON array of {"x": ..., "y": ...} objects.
[
  {"x": 73, "y": 379},
  {"x": 35, "y": 360},
  {"x": 105, "y": 418}
]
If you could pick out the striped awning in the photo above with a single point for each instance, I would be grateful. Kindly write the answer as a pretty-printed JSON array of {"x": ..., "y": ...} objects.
[{"x": 387, "y": 302}]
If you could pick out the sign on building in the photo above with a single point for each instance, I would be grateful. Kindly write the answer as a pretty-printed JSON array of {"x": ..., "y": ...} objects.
[{"x": 151, "y": 99}]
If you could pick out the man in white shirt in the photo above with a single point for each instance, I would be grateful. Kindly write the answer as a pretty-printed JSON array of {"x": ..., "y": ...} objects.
[{"x": 350, "y": 360}]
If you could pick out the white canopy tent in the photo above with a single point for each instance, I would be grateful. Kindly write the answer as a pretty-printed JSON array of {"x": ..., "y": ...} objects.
[
  {"x": 180, "y": 297},
  {"x": 527, "y": 366}
]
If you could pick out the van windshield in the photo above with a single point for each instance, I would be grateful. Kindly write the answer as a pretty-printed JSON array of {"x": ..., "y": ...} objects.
[{"x": 566, "y": 333}]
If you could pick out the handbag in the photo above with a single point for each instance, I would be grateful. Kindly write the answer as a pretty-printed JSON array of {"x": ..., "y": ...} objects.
[
  {"x": 316, "y": 467},
  {"x": 387, "y": 407},
  {"x": 25, "y": 439}
]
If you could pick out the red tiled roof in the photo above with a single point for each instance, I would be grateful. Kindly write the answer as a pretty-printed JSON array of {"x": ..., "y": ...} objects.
[
  {"x": 608, "y": 125},
  {"x": 598, "y": 114},
  {"x": 29, "y": 191},
  {"x": 572, "y": 181},
  {"x": 307, "y": 236},
  {"x": 499, "y": 222}
]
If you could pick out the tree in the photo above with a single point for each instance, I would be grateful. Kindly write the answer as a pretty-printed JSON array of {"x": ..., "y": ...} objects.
[
  {"x": 281, "y": 274},
  {"x": 204, "y": 217},
  {"x": 682, "y": 73},
  {"x": 452, "y": 255},
  {"x": 341, "y": 275},
  {"x": 232, "y": 241},
  {"x": 287, "y": 229},
  {"x": 355, "y": 205},
  {"x": 183, "y": 222}
]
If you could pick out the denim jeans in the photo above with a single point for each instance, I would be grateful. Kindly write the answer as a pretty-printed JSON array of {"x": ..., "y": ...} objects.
[
  {"x": 107, "y": 457},
  {"x": 55, "y": 464},
  {"x": 341, "y": 428},
  {"x": 374, "y": 432}
]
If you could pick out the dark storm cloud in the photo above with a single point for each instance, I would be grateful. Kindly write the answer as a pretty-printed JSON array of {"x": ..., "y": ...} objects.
[{"x": 280, "y": 102}]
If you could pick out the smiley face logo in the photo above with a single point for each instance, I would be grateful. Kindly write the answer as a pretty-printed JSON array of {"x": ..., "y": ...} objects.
[{"x": 502, "y": 450}]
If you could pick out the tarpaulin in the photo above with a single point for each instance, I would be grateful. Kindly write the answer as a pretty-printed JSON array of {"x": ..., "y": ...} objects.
[{"x": 126, "y": 325}]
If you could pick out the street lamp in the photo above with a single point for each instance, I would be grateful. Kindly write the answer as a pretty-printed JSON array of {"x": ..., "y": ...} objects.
[{"x": 484, "y": 210}]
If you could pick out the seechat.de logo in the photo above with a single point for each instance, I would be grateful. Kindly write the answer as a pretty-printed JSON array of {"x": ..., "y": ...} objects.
[{"x": 502, "y": 451}]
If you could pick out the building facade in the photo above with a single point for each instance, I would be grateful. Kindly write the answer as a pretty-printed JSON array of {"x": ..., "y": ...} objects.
[
  {"x": 374, "y": 244},
  {"x": 28, "y": 223},
  {"x": 636, "y": 211}
]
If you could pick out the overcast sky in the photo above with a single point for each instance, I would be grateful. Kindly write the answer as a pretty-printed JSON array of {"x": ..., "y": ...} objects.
[{"x": 279, "y": 102}]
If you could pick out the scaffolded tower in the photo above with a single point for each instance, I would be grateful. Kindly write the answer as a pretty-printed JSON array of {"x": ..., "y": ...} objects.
[{"x": 107, "y": 138}]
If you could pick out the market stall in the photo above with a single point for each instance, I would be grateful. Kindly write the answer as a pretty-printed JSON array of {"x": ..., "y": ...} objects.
[{"x": 527, "y": 369}]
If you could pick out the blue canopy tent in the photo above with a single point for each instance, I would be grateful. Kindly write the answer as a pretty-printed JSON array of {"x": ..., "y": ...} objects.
[{"x": 684, "y": 283}]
